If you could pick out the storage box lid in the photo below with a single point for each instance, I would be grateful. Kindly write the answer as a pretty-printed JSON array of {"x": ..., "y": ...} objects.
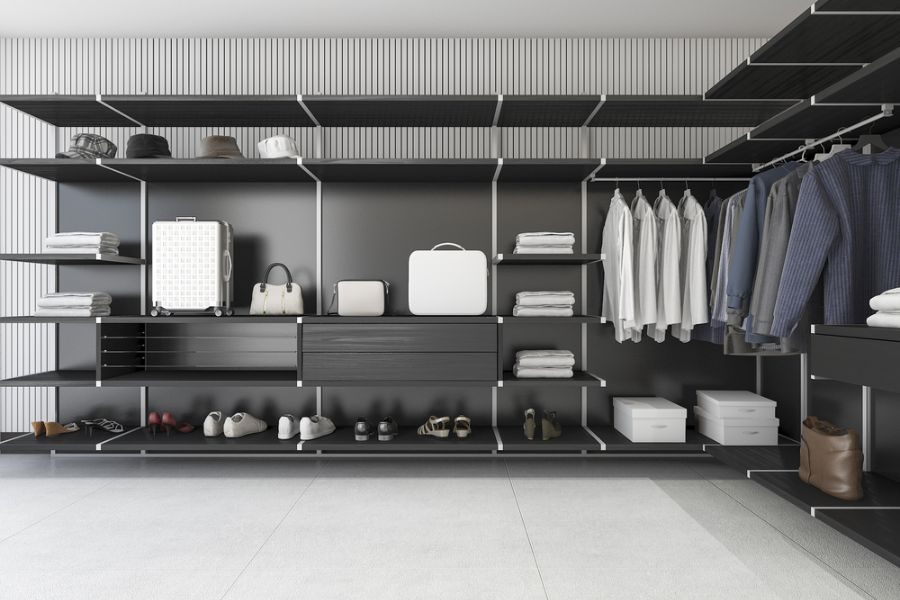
[
  {"x": 733, "y": 398},
  {"x": 650, "y": 408},
  {"x": 754, "y": 422}
]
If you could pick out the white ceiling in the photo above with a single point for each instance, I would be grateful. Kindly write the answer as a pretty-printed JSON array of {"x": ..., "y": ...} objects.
[{"x": 401, "y": 18}]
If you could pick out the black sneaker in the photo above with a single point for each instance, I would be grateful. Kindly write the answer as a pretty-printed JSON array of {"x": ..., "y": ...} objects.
[
  {"x": 387, "y": 429},
  {"x": 362, "y": 430}
]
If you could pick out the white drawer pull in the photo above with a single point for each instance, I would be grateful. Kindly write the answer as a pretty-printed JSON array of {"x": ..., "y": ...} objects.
[
  {"x": 659, "y": 426},
  {"x": 748, "y": 410},
  {"x": 751, "y": 432}
]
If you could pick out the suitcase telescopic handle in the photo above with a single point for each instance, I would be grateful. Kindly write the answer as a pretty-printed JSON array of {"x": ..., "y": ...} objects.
[
  {"x": 448, "y": 244},
  {"x": 229, "y": 265}
]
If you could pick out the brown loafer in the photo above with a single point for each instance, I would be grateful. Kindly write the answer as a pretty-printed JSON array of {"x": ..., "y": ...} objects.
[{"x": 38, "y": 427}]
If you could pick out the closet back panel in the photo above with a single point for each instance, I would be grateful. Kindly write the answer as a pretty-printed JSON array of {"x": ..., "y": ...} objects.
[
  {"x": 781, "y": 377},
  {"x": 370, "y": 229},
  {"x": 272, "y": 222}
]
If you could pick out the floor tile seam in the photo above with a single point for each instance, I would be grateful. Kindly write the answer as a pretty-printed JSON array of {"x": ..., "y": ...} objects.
[
  {"x": 274, "y": 529},
  {"x": 537, "y": 567},
  {"x": 57, "y": 511},
  {"x": 817, "y": 559}
]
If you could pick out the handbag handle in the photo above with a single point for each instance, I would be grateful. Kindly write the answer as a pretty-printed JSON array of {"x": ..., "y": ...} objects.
[
  {"x": 287, "y": 272},
  {"x": 448, "y": 244}
]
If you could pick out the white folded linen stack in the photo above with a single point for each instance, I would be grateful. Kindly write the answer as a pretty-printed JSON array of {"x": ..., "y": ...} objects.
[
  {"x": 544, "y": 364},
  {"x": 544, "y": 304},
  {"x": 544, "y": 242},
  {"x": 86, "y": 304},
  {"x": 887, "y": 305},
  {"x": 82, "y": 242}
]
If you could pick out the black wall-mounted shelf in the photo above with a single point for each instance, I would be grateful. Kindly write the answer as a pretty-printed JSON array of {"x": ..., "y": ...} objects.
[
  {"x": 547, "y": 259},
  {"x": 211, "y": 169},
  {"x": 811, "y": 121},
  {"x": 403, "y": 111},
  {"x": 481, "y": 439},
  {"x": 68, "y": 111},
  {"x": 73, "y": 259},
  {"x": 650, "y": 169},
  {"x": 77, "y": 442},
  {"x": 203, "y": 378},
  {"x": 574, "y": 170},
  {"x": 574, "y": 438},
  {"x": 579, "y": 379},
  {"x": 410, "y": 170},
  {"x": 53, "y": 379},
  {"x": 206, "y": 111},
  {"x": 773, "y": 81},
  {"x": 65, "y": 170},
  {"x": 195, "y": 442},
  {"x": 747, "y": 150},
  {"x": 683, "y": 111},
  {"x": 616, "y": 442},
  {"x": 876, "y": 83}
]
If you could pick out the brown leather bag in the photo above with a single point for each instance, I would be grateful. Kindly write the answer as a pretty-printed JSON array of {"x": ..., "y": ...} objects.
[{"x": 831, "y": 459}]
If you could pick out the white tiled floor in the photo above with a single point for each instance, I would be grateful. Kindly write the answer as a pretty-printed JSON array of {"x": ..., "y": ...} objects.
[{"x": 101, "y": 528}]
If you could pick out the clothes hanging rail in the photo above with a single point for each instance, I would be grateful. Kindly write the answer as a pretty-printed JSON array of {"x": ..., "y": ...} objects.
[
  {"x": 887, "y": 110},
  {"x": 652, "y": 179}
]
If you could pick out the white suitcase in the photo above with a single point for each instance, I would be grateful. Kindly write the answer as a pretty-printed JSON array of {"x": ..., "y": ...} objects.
[
  {"x": 448, "y": 282},
  {"x": 192, "y": 266}
]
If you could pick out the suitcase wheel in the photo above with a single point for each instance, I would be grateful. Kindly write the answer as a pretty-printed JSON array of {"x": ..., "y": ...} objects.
[{"x": 223, "y": 311}]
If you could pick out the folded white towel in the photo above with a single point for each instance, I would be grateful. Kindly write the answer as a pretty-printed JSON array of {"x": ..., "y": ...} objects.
[
  {"x": 541, "y": 373},
  {"x": 544, "y": 298},
  {"x": 545, "y": 358},
  {"x": 532, "y": 353},
  {"x": 83, "y": 238},
  {"x": 98, "y": 311},
  {"x": 75, "y": 300},
  {"x": 884, "y": 319},
  {"x": 541, "y": 238},
  {"x": 888, "y": 300},
  {"x": 542, "y": 311},
  {"x": 543, "y": 250},
  {"x": 81, "y": 249}
]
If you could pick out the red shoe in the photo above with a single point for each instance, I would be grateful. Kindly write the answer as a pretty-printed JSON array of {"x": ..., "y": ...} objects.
[
  {"x": 168, "y": 422},
  {"x": 185, "y": 428},
  {"x": 154, "y": 422}
]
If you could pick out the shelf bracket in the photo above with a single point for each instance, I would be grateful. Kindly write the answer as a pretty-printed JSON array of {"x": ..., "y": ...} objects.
[
  {"x": 305, "y": 168},
  {"x": 99, "y": 98}
]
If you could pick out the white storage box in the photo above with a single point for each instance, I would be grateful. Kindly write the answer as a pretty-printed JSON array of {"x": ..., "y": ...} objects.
[
  {"x": 448, "y": 282},
  {"x": 649, "y": 419},
  {"x": 737, "y": 432},
  {"x": 735, "y": 404}
]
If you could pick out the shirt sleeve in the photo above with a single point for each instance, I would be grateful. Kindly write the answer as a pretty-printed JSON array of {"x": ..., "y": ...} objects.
[
  {"x": 816, "y": 227},
  {"x": 776, "y": 235},
  {"x": 743, "y": 259}
]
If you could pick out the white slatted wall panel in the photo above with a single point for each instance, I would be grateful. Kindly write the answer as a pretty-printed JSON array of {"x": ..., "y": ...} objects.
[{"x": 318, "y": 66}]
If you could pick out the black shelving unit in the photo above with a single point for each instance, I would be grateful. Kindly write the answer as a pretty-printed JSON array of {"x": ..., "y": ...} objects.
[
  {"x": 569, "y": 170},
  {"x": 68, "y": 111},
  {"x": 203, "y": 378},
  {"x": 27, "y": 320},
  {"x": 579, "y": 379},
  {"x": 78, "y": 442},
  {"x": 412, "y": 170},
  {"x": 206, "y": 111},
  {"x": 212, "y": 169},
  {"x": 547, "y": 259},
  {"x": 589, "y": 319},
  {"x": 143, "y": 439},
  {"x": 64, "y": 378},
  {"x": 547, "y": 110},
  {"x": 651, "y": 169},
  {"x": 746, "y": 151},
  {"x": 777, "y": 81},
  {"x": 65, "y": 170},
  {"x": 403, "y": 111},
  {"x": 574, "y": 439},
  {"x": 806, "y": 120},
  {"x": 481, "y": 440},
  {"x": 616, "y": 442},
  {"x": 876, "y": 83},
  {"x": 683, "y": 111},
  {"x": 72, "y": 259}
]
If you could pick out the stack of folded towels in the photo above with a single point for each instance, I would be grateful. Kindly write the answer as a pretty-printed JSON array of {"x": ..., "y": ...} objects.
[
  {"x": 74, "y": 305},
  {"x": 887, "y": 305},
  {"x": 544, "y": 242},
  {"x": 544, "y": 364},
  {"x": 82, "y": 242},
  {"x": 544, "y": 304}
]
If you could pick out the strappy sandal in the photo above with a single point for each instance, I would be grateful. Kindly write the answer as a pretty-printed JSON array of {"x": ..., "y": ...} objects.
[
  {"x": 438, "y": 427},
  {"x": 462, "y": 426},
  {"x": 104, "y": 424}
]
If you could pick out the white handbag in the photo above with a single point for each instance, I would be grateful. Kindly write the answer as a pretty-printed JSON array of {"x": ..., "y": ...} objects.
[
  {"x": 360, "y": 298},
  {"x": 276, "y": 299},
  {"x": 448, "y": 282}
]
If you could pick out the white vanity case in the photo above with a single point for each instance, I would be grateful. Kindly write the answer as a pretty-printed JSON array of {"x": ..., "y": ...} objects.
[
  {"x": 737, "y": 432},
  {"x": 649, "y": 419},
  {"x": 735, "y": 404}
]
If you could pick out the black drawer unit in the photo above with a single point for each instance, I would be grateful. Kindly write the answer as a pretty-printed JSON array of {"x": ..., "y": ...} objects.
[
  {"x": 399, "y": 338},
  {"x": 857, "y": 354}
]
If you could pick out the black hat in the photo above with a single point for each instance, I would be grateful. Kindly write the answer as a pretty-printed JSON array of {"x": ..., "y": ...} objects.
[
  {"x": 147, "y": 145},
  {"x": 89, "y": 145}
]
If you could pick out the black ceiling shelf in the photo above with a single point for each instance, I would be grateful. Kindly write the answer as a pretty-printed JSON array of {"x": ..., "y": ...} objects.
[
  {"x": 812, "y": 121},
  {"x": 579, "y": 379},
  {"x": 546, "y": 259},
  {"x": 776, "y": 81},
  {"x": 211, "y": 111},
  {"x": 65, "y": 170},
  {"x": 616, "y": 442},
  {"x": 211, "y": 169},
  {"x": 651, "y": 169},
  {"x": 72, "y": 259},
  {"x": 683, "y": 111},
  {"x": 195, "y": 442},
  {"x": 574, "y": 438},
  {"x": 203, "y": 378},
  {"x": 68, "y": 111},
  {"x": 876, "y": 83},
  {"x": 745, "y": 150},
  {"x": 53, "y": 379},
  {"x": 482, "y": 439}
]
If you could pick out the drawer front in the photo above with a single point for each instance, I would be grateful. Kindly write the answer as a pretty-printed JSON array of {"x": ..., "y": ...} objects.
[
  {"x": 859, "y": 361},
  {"x": 650, "y": 430},
  {"x": 400, "y": 366},
  {"x": 399, "y": 338},
  {"x": 720, "y": 411},
  {"x": 737, "y": 436}
]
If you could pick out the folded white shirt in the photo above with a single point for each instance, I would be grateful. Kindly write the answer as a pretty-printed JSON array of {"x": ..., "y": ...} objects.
[
  {"x": 543, "y": 250},
  {"x": 542, "y": 373},
  {"x": 888, "y": 300},
  {"x": 542, "y": 311},
  {"x": 74, "y": 238},
  {"x": 70, "y": 300},
  {"x": 545, "y": 358},
  {"x": 97, "y": 311},
  {"x": 884, "y": 319},
  {"x": 81, "y": 249},
  {"x": 541, "y": 238},
  {"x": 544, "y": 298}
]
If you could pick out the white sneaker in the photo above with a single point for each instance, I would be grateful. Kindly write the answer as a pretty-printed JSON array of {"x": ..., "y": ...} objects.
[
  {"x": 288, "y": 427},
  {"x": 213, "y": 424},
  {"x": 241, "y": 424},
  {"x": 315, "y": 426}
]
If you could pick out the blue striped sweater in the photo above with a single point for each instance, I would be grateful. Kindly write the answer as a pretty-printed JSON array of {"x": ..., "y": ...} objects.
[{"x": 847, "y": 225}]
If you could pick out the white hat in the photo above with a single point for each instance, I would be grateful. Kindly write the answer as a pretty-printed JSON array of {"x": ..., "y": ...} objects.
[{"x": 278, "y": 146}]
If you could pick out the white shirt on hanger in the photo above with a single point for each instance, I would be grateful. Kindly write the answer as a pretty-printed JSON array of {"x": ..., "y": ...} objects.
[
  {"x": 644, "y": 259},
  {"x": 618, "y": 283},
  {"x": 692, "y": 267},
  {"x": 668, "y": 276}
]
